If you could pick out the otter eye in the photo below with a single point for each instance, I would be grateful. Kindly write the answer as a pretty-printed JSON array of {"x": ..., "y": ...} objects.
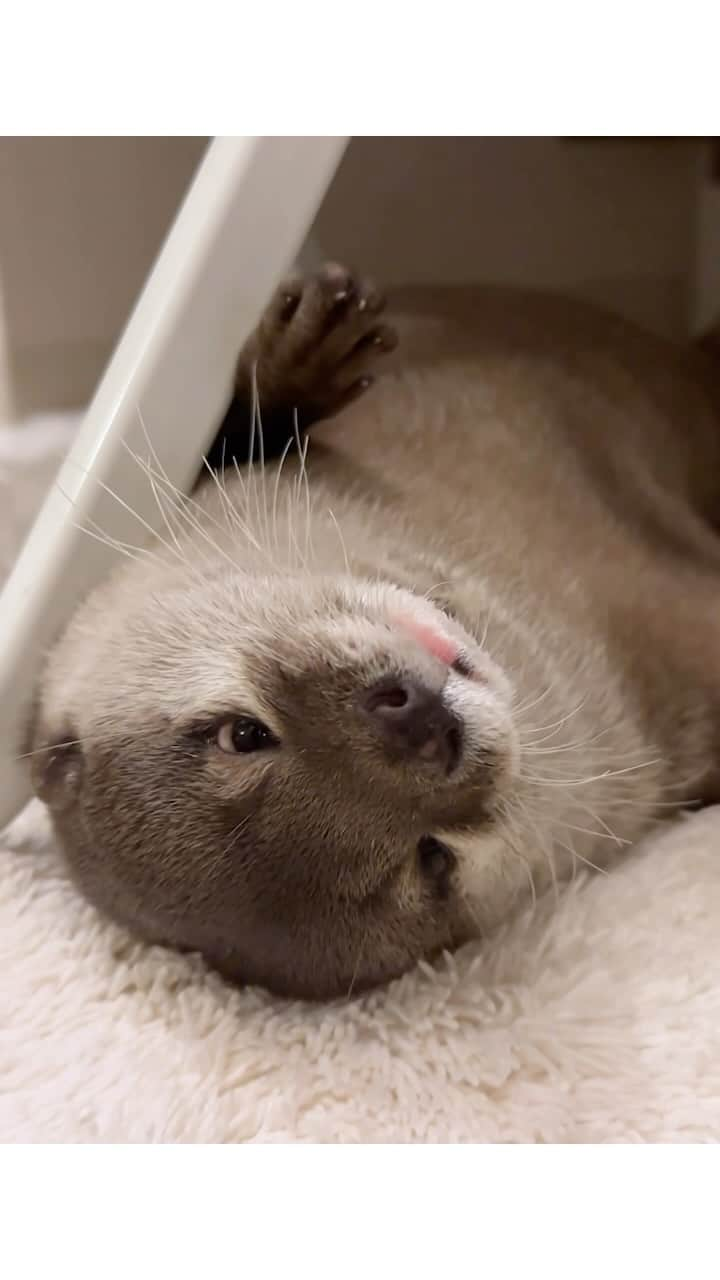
[
  {"x": 243, "y": 735},
  {"x": 436, "y": 862}
]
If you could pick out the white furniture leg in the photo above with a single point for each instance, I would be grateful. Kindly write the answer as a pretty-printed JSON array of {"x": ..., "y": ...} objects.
[{"x": 241, "y": 225}]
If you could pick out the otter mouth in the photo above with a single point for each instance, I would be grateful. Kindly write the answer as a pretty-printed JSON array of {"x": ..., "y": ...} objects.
[
  {"x": 414, "y": 722},
  {"x": 444, "y": 746}
]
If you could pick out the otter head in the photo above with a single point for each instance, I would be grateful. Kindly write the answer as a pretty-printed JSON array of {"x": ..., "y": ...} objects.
[{"x": 279, "y": 773}]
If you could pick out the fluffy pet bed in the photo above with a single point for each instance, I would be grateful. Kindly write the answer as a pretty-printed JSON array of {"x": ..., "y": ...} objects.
[{"x": 595, "y": 1020}]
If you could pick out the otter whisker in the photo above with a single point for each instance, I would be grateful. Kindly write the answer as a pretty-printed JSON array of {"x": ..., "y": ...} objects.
[
  {"x": 96, "y": 740},
  {"x": 257, "y": 426},
  {"x": 233, "y": 835},
  {"x": 181, "y": 504},
  {"x": 128, "y": 549},
  {"x": 528, "y": 706},
  {"x": 599, "y": 835},
  {"x": 301, "y": 480},
  {"x": 544, "y": 849},
  {"x": 535, "y": 749},
  {"x": 131, "y": 511},
  {"x": 234, "y": 519},
  {"x": 253, "y": 415},
  {"x": 276, "y": 487},
  {"x": 581, "y": 858},
  {"x": 587, "y": 809},
  {"x": 228, "y": 505},
  {"x": 633, "y": 802},
  {"x": 161, "y": 509},
  {"x": 486, "y": 628},
  {"x": 509, "y": 819},
  {"x": 254, "y": 542},
  {"x": 214, "y": 546},
  {"x": 436, "y": 587},
  {"x": 161, "y": 473},
  {"x": 293, "y": 544},
  {"x": 342, "y": 541},
  {"x": 180, "y": 501},
  {"x": 598, "y": 777},
  {"x": 132, "y": 553},
  {"x": 52, "y": 746},
  {"x": 556, "y": 725},
  {"x": 356, "y": 970}
]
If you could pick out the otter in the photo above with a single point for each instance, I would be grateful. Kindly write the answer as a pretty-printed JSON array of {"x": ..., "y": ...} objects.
[{"x": 357, "y": 701}]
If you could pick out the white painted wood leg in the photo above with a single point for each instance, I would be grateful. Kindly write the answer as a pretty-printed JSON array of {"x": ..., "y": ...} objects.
[{"x": 241, "y": 225}]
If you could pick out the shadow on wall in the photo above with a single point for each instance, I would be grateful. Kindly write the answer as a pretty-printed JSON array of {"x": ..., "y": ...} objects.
[{"x": 81, "y": 220}]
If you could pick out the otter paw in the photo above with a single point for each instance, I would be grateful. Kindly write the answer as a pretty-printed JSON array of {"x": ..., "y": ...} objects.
[{"x": 317, "y": 344}]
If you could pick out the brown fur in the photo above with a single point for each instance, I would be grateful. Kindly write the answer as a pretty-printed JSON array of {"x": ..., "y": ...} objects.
[{"x": 545, "y": 476}]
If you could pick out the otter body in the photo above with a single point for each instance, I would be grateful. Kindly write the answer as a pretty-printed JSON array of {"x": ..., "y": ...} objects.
[{"x": 356, "y": 704}]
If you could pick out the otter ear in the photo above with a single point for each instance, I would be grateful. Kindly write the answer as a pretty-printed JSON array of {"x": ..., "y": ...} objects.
[{"x": 56, "y": 770}]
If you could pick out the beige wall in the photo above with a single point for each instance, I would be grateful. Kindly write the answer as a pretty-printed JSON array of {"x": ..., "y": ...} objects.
[
  {"x": 81, "y": 220},
  {"x": 609, "y": 220}
]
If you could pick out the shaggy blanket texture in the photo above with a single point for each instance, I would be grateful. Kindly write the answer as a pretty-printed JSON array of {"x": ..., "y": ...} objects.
[{"x": 595, "y": 1020}]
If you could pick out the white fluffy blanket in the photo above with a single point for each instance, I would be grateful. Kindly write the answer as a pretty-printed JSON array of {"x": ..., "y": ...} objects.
[{"x": 597, "y": 1020}]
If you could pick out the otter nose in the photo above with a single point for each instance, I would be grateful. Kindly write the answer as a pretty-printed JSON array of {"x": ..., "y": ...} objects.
[{"x": 413, "y": 721}]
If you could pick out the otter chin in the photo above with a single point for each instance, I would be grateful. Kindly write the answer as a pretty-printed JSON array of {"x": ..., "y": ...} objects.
[{"x": 355, "y": 704}]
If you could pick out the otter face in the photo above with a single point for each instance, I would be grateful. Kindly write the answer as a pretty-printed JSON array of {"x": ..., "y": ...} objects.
[{"x": 275, "y": 774}]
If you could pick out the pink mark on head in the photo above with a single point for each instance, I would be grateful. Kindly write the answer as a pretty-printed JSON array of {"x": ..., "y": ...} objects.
[{"x": 432, "y": 641}]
